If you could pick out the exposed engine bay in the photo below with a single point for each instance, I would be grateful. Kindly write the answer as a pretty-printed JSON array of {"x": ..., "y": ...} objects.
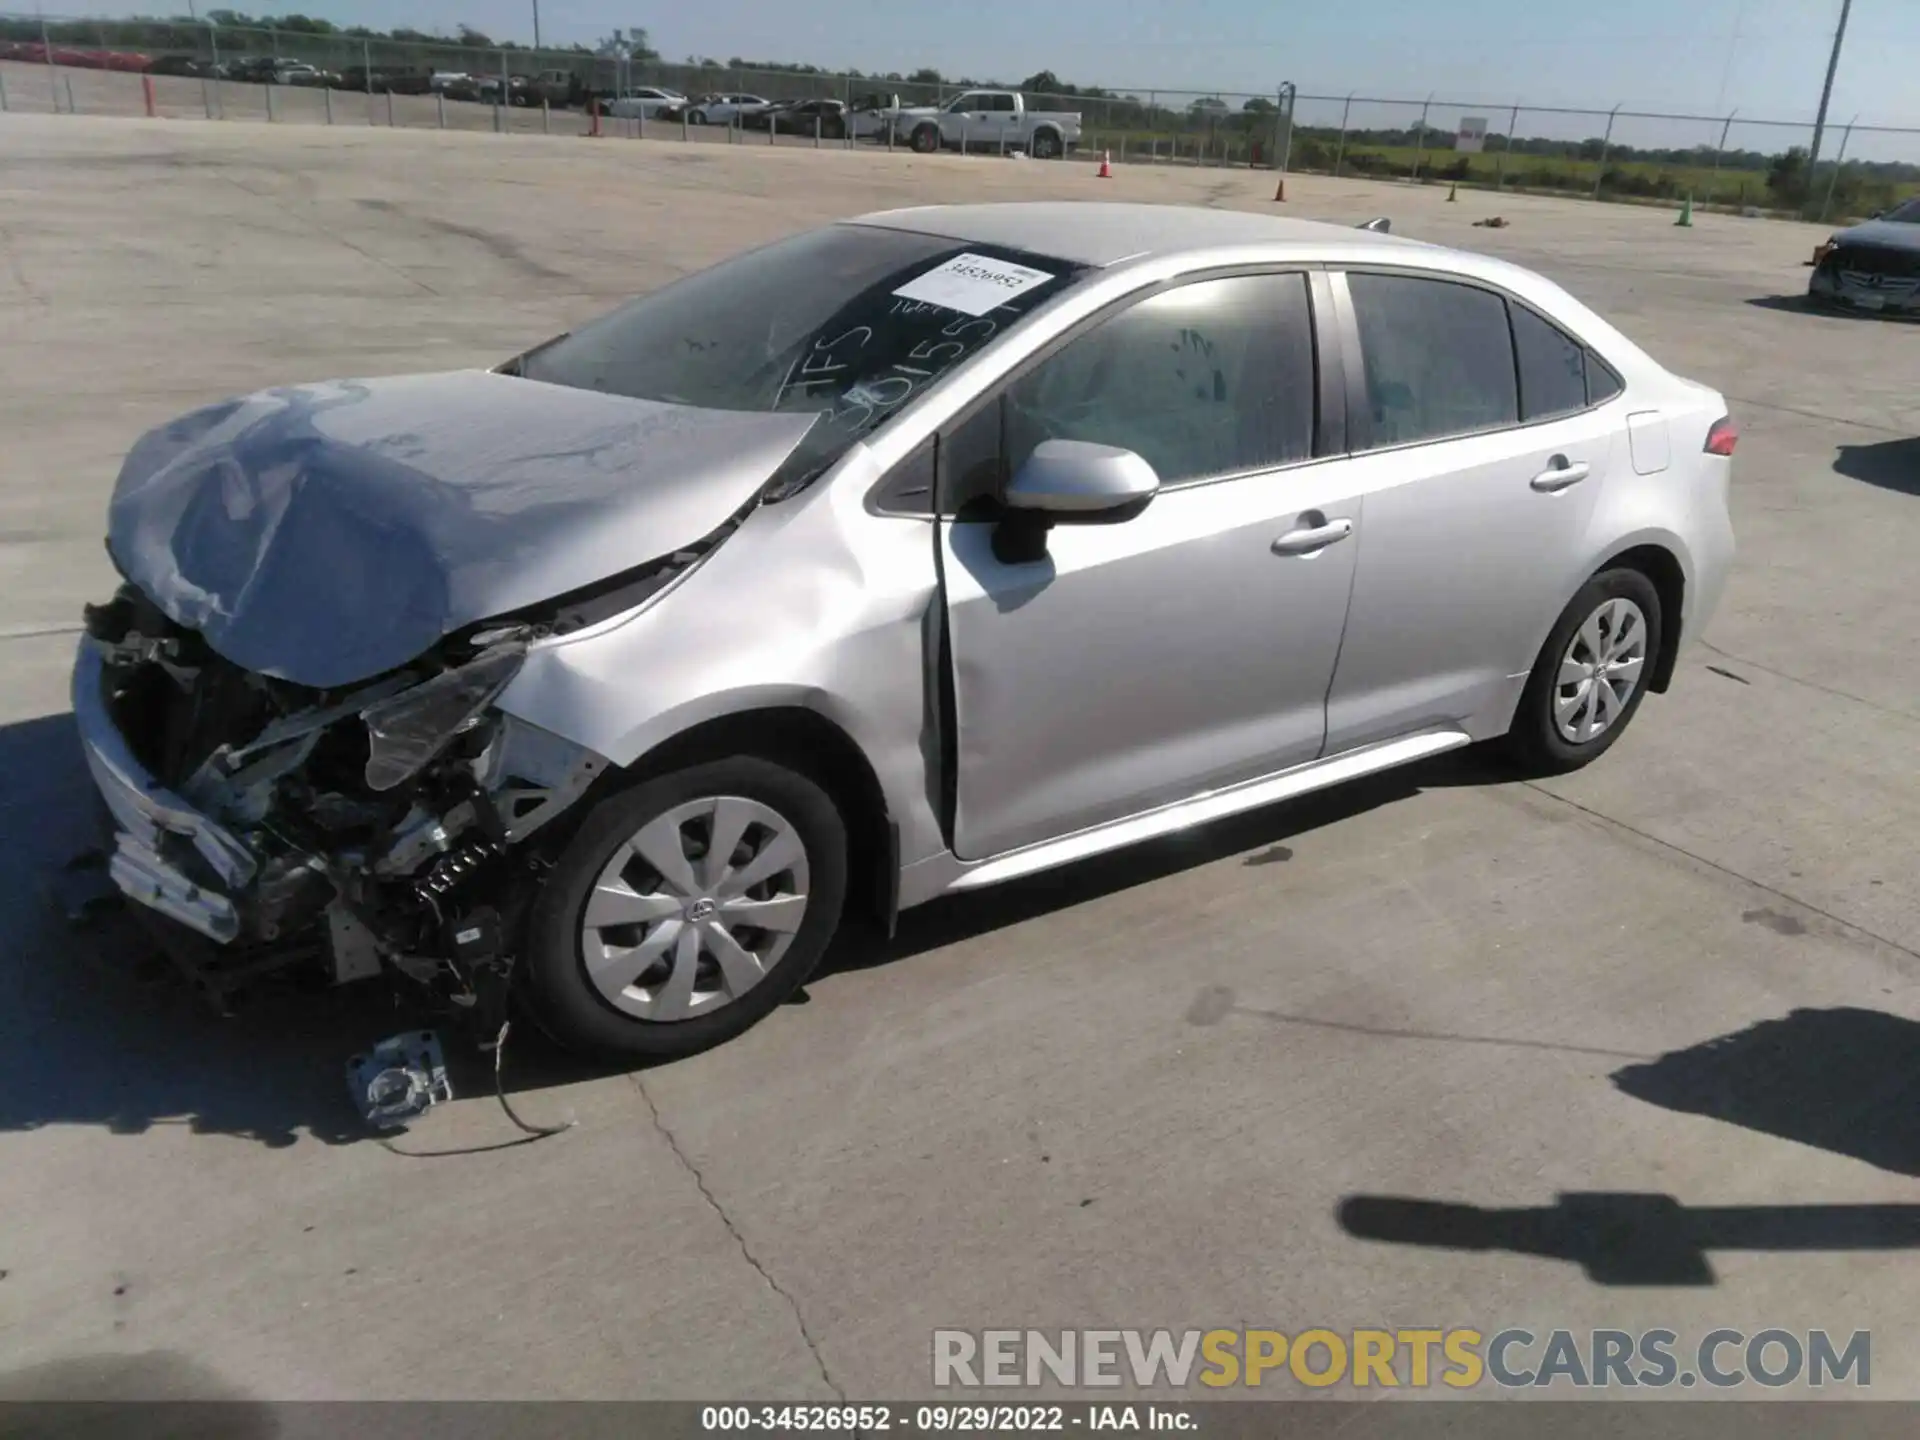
[{"x": 381, "y": 828}]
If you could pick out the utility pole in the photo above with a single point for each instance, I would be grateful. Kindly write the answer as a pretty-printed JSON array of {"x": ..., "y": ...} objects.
[
  {"x": 536, "y": 24},
  {"x": 1826, "y": 91}
]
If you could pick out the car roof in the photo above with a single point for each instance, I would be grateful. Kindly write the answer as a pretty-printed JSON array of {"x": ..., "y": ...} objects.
[{"x": 1100, "y": 234}]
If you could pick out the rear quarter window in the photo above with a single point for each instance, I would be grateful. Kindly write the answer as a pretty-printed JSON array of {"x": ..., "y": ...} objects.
[{"x": 1553, "y": 367}]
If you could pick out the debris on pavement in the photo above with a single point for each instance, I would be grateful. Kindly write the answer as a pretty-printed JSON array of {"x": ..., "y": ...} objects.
[{"x": 399, "y": 1079}]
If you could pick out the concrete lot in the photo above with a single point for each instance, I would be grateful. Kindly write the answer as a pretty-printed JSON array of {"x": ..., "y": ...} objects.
[{"x": 1138, "y": 1093}]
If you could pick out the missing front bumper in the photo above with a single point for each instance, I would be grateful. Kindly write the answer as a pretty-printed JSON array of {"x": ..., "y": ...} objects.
[{"x": 159, "y": 840}]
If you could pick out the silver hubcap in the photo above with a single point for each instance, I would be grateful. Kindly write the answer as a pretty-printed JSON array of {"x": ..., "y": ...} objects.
[
  {"x": 695, "y": 908},
  {"x": 1600, "y": 671}
]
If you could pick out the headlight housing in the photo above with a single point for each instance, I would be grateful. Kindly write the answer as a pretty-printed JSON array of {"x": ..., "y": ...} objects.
[{"x": 408, "y": 730}]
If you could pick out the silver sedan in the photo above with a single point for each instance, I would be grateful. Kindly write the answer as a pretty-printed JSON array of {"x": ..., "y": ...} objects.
[{"x": 894, "y": 560}]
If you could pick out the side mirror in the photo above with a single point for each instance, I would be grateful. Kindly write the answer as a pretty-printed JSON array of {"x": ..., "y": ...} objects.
[
  {"x": 1069, "y": 482},
  {"x": 1079, "y": 480}
]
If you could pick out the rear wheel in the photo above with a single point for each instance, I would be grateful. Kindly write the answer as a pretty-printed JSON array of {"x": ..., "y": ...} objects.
[
  {"x": 686, "y": 909},
  {"x": 1591, "y": 675},
  {"x": 1046, "y": 145}
]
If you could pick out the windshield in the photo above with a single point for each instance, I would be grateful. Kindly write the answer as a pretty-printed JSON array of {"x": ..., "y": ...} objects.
[
  {"x": 1907, "y": 213},
  {"x": 850, "y": 322}
]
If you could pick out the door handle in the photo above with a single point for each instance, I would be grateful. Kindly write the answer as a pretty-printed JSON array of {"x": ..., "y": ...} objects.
[
  {"x": 1314, "y": 537},
  {"x": 1560, "y": 475}
]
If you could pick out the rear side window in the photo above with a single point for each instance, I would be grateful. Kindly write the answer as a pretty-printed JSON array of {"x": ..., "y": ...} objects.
[
  {"x": 1553, "y": 368},
  {"x": 1211, "y": 378},
  {"x": 1438, "y": 358}
]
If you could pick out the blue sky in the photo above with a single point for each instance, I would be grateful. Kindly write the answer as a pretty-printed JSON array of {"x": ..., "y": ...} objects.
[{"x": 1676, "y": 55}]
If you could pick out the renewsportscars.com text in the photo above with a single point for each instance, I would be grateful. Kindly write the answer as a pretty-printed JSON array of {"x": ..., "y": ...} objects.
[{"x": 1459, "y": 1359}]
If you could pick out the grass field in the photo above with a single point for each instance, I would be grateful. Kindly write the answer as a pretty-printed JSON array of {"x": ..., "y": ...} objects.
[{"x": 1624, "y": 179}]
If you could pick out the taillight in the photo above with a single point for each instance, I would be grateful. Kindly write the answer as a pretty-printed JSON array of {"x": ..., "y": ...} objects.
[{"x": 1723, "y": 436}]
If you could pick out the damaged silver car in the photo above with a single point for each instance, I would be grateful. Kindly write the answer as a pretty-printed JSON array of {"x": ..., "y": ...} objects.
[{"x": 899, "y": 558}]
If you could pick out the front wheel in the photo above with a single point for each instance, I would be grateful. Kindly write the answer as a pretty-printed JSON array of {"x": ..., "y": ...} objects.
[
  {"x": 1591, "y": 675},
  {"x": 926, "y": 140},
  {"x": 686, "y": 909},
  {"x": 698, "y": 117}
]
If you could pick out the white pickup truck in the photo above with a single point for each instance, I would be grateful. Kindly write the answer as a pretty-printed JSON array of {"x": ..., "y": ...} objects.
[{"x": 990, "y": 120}]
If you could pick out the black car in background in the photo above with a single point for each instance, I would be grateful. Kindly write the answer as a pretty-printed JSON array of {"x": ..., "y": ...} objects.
[
  {"x": 383, "y": 80},
  {"x": 187, "y": 65},
  {"x": 825, "y": 118},
  {"x": 1873, "y": 267}
]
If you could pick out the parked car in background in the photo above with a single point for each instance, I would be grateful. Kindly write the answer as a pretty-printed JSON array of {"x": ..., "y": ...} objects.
[
  {"x": 895, "y": 560},
  {"x": 454, "y": 84},
  {"x": 189, "y": 65},
  {"x": 558, "y": 88},
  {"x": 871, "y": 117},
  {"x": 646, "y": 102},
  {"x": 991, "y": 120},
  {"x": 72, "y": 58},
  {"x": 825, "y": 118},
  {"x": 298, "y": 72},
  {"x": 723, "y": 109},
  {"x": 382, "y": 80},
  {"x": 1874, "y": 267},
  {"x": 274, "y": 70},
  {"x": 517, "y": 93}
]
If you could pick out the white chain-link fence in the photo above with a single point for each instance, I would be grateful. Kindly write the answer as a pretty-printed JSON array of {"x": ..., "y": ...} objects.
[{"x": 180, "y": 69}]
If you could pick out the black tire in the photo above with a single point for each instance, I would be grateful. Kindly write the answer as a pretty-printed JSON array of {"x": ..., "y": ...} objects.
[
  {"x": 697, "y": 117},
  {"x": 926, "y": 140},
  {"x": 557, "y": 990},
  {"x": 1045, "y": 145},
  {"x": 1534, "y": 744}
]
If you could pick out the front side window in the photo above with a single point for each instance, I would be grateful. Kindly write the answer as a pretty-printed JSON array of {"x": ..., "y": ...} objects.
[
  {"x": 813, "y": 324},
  {"x": 1212, "y": 378},
  {"x": 1438, "y": 358}
]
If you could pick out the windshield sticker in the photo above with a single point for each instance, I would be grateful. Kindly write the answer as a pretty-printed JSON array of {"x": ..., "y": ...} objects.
[{"x": 973, "y": 284}]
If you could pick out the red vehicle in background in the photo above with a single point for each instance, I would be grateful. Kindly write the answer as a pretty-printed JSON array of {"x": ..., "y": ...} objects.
[{"x": 36, "y": 52}]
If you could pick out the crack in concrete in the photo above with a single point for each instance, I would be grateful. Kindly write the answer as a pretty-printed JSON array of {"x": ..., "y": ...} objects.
[
  {"x": 739, "y": 1240},
  {"x": 332, "y": 234},
  {"x": 14, "y": 267},
  {"x": 1849, "y": 929},
  {"x": 1791, "y": 678},
  {"x": 1778, "y": 408}
]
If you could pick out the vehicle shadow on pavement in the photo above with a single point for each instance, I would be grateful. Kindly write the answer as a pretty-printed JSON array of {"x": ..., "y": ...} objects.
[
  {"x": 1630, "y": 1239},
  {"x": 103, "y": 1032},
  {"x": 1844, "y": 1080},
  {"x": 1801, "y": 305},
  {"x": 1262, "y": 832},
  {"x": 1889, "y": 465},
  {"x": 98, "y": 1030}
]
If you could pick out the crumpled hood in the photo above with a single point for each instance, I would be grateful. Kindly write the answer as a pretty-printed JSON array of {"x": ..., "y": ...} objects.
[
  {"x": 1891, "y": 233},
  {"x": 327, "y": 533}
]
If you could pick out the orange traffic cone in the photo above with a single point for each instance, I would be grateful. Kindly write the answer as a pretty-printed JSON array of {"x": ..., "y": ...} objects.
[
  {"x": 1105, "y": 171},
  {"x": 1280, "y": 190}
]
